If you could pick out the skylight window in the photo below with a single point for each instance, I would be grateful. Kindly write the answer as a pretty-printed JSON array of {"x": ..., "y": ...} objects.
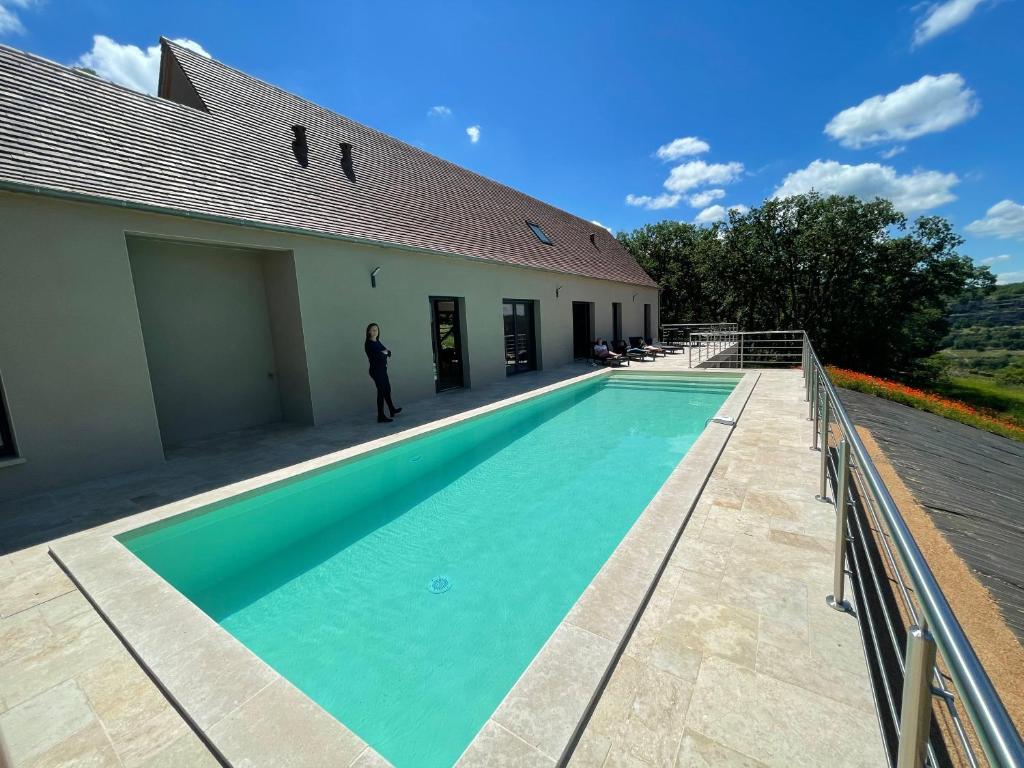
[{"x": 539, "y": 233}]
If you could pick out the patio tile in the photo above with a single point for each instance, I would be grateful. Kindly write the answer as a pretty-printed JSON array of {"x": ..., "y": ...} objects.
[
  {"x": 72, "y": 647},
  {"x": 780, "y": 723},
  {"x": 88, "y": 748},
  {"x": 212, "y": 676},
  {"x": 698, "y": 751},
  {"x": 281, "y": 728},
  {"x": 36, "y": 726},
  {"x": 28, "y": 588},
  {"x": 21, "y": 634},
  {"x": 655, "y": 724},
  {"x": 138, "y": 718},
  {"x": 699, "y": 627},
  {"x": 185, "y": 750},
  {"x": 370, "y": 759},
  {"x": 497, "y": 747},
  {"x": 546, "y": 705}
]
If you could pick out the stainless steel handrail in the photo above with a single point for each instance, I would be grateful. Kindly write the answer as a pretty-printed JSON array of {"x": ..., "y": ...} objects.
[
  {"x": 758, "y": 349},
  {"x": 995, "y": 731}
]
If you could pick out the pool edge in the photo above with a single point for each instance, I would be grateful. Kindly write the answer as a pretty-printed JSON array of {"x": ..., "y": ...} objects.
[
  {"x": 544, "y": 713},
  {"x": 229, "y": 696}
]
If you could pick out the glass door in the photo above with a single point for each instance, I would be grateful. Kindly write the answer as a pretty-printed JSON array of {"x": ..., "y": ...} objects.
[
  {"x": 520, "y": 345},
  {"x": 447, "y": 342}
]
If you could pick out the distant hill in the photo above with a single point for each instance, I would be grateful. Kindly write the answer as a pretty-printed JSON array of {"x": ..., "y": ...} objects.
[{"x": 995, "y": 321}]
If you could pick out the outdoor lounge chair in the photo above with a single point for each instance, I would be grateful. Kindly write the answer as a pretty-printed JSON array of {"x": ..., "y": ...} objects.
[
  {"x": 669, "y": 347},
  {"x": 636, "y": 342},
  {"x": 615, "y": 362},
  {"x": 633, "y": 353}
]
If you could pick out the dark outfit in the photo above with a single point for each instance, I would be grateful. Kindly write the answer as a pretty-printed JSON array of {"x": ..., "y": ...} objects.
[{"x": 378, "y": 355}]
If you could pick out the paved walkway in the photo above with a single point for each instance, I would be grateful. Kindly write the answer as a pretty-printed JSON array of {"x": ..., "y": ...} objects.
[{"x": 737, "y": 660}]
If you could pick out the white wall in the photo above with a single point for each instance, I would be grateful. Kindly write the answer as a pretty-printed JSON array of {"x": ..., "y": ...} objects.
[{"x": 73, "y": 361}]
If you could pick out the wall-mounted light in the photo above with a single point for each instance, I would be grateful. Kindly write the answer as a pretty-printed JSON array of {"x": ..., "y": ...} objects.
[
  {"x": 373, "y": 277},
  {"x": 558, "y": 290},
  {"x": 634, "y": 296}
]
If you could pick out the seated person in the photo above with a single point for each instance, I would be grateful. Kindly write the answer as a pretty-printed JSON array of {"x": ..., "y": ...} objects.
[{"x": 601, "y": 351}]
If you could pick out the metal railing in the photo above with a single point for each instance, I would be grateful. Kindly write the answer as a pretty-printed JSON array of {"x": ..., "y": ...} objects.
[
  {"x": 680, "y": 333},
  {"x": 916, "y": 650},
  {"x": 746, "y": 349}
]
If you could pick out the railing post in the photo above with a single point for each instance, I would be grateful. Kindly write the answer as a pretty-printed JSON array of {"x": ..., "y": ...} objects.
[
  {"x": 823, "y": 444},
  {"x": 741, "y": 351},
  {"x": 842, "y": 486},
  {"x": 916, "y": 712},
  {"x": 815, "y": 409}
]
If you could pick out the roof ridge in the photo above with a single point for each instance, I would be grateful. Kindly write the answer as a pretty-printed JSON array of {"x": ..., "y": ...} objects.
[
  {"x": 210, "y": 59},
  {"x": 83, "y": 136}
]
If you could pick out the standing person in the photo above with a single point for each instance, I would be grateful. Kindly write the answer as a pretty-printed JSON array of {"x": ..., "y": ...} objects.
[{"x": 378, "y": 356}]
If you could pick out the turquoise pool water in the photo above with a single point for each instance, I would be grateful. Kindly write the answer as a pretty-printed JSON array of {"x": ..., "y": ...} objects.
[{"x": 406, "y": 591}]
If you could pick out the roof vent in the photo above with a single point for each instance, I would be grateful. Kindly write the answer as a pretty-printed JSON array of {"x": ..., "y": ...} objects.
[
  {"x": 300, "y": 148},
  {"x": 593, "y": 239},
  {"x": 346, "y": 161}
]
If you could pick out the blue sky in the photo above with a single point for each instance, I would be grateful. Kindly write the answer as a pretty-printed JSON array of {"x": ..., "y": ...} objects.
[{"x": 571, "y": 102}]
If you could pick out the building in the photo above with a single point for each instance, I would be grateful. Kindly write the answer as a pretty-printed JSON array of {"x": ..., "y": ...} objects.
[{"x": 179, "y": 266}]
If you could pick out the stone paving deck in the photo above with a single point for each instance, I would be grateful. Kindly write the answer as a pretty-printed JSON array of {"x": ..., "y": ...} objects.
[{"x": 736, "y": 660}]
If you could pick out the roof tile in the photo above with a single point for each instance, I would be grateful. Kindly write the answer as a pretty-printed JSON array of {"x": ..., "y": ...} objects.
[{"x": 69, "y": 131}]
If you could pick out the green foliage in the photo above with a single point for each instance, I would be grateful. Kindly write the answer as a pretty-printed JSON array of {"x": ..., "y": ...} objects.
[
  {"x": 870, "y": 289},
  {"x": 991, "y": 320},
  {"x": 1005, "y": 400}
]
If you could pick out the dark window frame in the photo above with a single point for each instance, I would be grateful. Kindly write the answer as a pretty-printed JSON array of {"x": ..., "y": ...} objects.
[
  {"x": 8, "y": 448},
  {"x": 539, "y": 232},
  {"x": 617, "y": 321}
]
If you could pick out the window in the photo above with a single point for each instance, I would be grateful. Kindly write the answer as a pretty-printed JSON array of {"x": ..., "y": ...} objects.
[
  {"x": 6, "y": 437},
  {"x": 539, "y": 233},
  {"x": 520, "y": 339},
  {"x": 647, "y": 323},
  {"x": 616, "y": 321}
]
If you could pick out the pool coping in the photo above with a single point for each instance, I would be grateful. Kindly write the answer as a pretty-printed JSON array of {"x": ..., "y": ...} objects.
[{"x": 249, "y": 714}]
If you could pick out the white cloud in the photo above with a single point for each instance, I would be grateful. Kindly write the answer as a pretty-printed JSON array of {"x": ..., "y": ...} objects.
[
  {"x": 474, "y": 133},
  {"x": 696, "y": 172},
  {"x": 653, "y": 203},
  {"x": 128, "y": 64},
  {"x": 1010, "y": 277},
  {"x": 688, "y": 145},
  {"x": 439, "y": 111},
  {"x": 893, "y": 151},
  {"x": 602, "y": 226},
  {"x": 10, "y": 23},
  {"x": 930, "y": 105},
  {"x": 915, "y": 191},
  {"x": 715, "y": 213},
  {"x": 994, "y": 259},
  {"x": 702, "y": 199},
  {"x": 1005, "y": 219},
  {"x": 942, "y": 17}
]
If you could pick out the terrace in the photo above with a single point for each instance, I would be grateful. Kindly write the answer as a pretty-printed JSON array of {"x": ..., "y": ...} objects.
[{"x": 713, "y": 644}]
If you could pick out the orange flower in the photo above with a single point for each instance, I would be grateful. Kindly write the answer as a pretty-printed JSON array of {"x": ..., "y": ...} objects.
[{"x": 929, "y": 401}]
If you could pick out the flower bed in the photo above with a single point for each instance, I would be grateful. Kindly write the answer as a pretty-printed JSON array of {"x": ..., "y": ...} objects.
[{"x": 926, "y": 401}]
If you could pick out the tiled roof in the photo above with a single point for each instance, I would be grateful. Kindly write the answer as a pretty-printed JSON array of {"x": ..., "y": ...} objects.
[{"x": 71, "y": 132}]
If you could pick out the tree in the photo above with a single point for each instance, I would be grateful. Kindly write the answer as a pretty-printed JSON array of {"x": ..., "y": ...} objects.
[{"x": 871, "y": 293}]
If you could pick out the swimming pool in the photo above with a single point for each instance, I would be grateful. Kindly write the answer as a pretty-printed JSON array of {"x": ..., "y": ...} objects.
[{"x": 407, "y": 590}]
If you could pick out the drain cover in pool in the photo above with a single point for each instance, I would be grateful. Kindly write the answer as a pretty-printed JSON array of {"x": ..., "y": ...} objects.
[{"x": 439, "y": 584}]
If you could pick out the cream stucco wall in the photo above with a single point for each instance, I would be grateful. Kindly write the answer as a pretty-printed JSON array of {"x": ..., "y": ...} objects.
[{"x": 73, "y": 361}]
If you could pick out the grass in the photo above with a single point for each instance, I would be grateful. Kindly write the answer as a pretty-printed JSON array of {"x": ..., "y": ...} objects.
[
  {"x": 983, "y": 417},
  {"x": 987, "y": 395}
]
